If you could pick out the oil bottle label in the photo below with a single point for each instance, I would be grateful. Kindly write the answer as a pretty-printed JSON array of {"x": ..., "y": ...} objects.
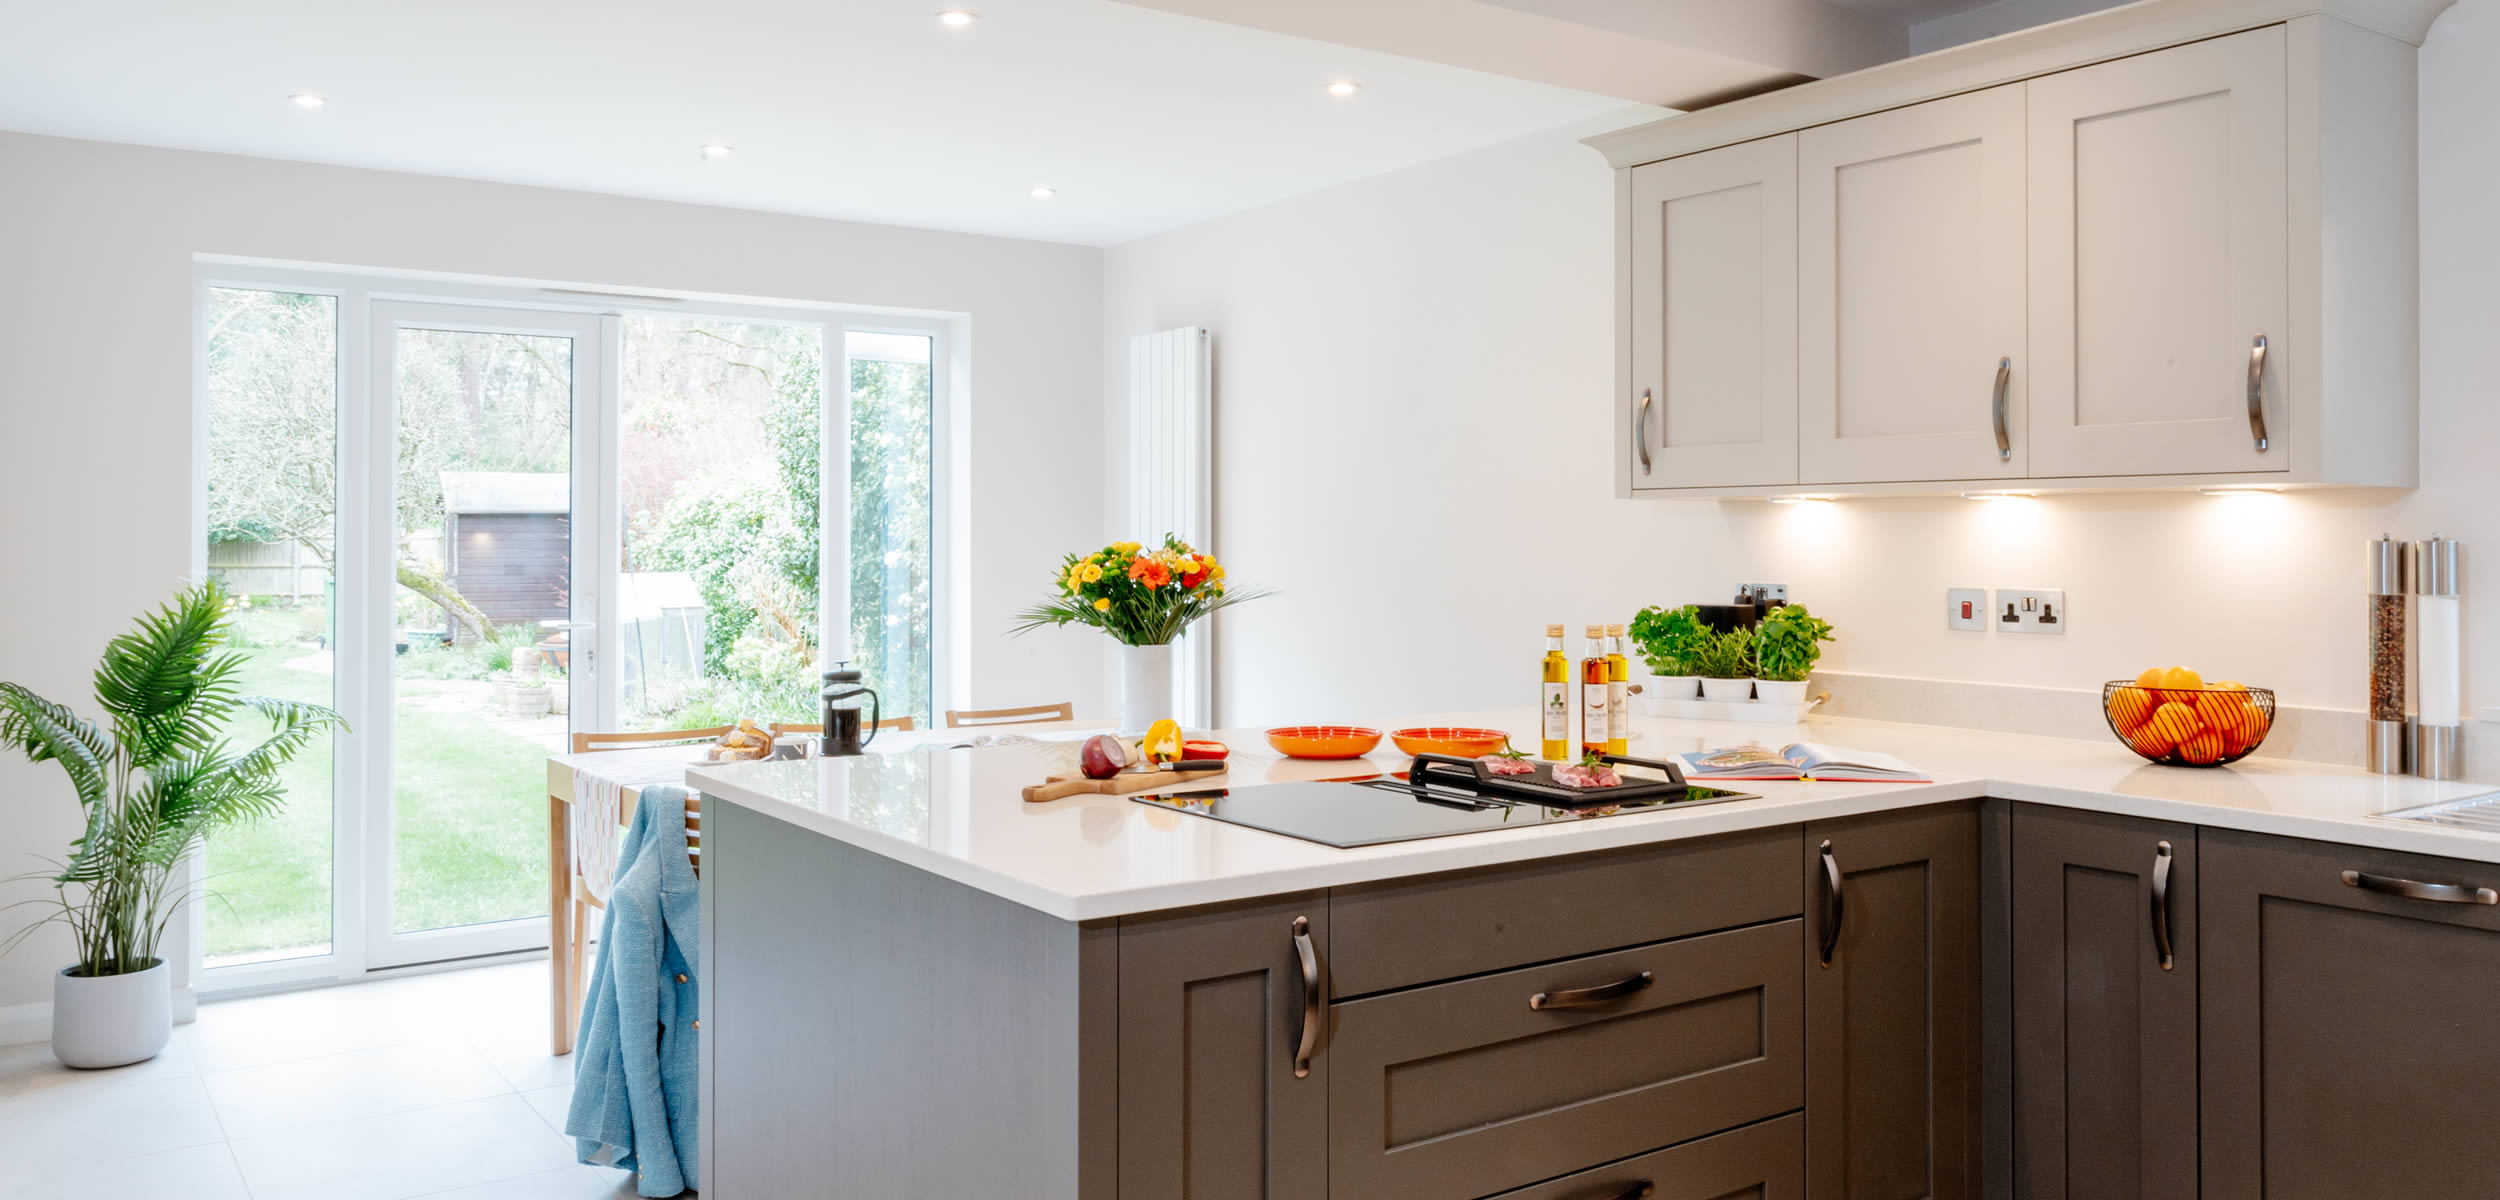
[
  {"x": 1594, "y": 718},
  {"x": 1618, "y": 714},
  {"x": 1557, "y": 714}
]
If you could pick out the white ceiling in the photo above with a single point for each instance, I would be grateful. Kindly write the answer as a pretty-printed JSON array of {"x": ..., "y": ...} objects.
[{"x": 858, "y": 109}]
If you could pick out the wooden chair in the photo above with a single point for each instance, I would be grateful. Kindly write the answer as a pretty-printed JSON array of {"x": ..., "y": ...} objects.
[
  {"x": 783, "y": 728},
  {"x": 957, "y": 718},
  {"x": 577, "y": 988}
]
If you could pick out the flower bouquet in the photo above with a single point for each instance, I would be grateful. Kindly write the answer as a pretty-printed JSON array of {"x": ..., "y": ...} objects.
[{"x": 1144, "y": 598}]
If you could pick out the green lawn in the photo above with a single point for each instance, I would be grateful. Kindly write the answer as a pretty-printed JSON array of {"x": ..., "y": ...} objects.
[{"x": 470, "y": 838}]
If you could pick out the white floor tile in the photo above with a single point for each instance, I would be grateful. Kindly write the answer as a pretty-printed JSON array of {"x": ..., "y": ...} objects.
[
  {"x": 552, "y": 1103},
  {"x": 196, "y": 1173},
  {"x": 521, "y": 1054},
  {"x": 66, "y": 1124},
  {"x": 357, "y": 1083},
  {"x": 572, "y": 1183},
  {"x": 403, "y": 1154},
  {"x": 31, "y": 1068}
]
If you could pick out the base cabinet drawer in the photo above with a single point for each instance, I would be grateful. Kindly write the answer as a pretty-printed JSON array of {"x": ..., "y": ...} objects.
[
  {"x": 1466, "y": 1088},
  {"x": 1758, "y": 1162},
  {"x": 2348, "y": 999}
]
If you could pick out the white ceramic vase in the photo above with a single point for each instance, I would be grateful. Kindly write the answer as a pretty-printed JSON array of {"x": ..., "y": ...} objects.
[
  {"x": 1727, "y": 690},
  {"x": 111, "y": 1020},
  {"x": 1780, "y": 691},
  {"x": 1145, "y": 686}
]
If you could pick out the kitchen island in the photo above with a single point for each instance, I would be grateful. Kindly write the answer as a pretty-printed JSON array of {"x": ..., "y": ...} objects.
[{"x": 918, "y": 985}]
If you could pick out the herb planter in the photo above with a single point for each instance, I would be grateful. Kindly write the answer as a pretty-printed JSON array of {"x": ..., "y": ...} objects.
[
  {"x": 1780, "y": 691},
  {"x": 1726, "y": 690}
]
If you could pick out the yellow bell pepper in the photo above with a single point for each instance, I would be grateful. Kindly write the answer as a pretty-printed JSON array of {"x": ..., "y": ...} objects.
[{"x": 1163, "y": 741}]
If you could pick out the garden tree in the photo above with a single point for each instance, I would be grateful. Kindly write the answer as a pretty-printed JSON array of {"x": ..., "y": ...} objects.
[{"x": 466, "y": 402}]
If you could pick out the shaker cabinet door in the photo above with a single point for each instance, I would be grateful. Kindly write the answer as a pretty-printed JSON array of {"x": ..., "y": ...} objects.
[
  {"x": 2159, "y": 253},
  {"x": 2105, "y": 965},
  {"x": 2348, "y": 998},
  {"x": 1713, "y": 400},
  {"x": 1212, "y": 1011},
  {"x": 1910, "y": 293},
  {"x": 1892, "y": 1006}
]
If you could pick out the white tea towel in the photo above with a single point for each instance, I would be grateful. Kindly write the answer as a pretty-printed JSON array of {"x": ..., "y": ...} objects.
[{"x": 599, "y": 808}]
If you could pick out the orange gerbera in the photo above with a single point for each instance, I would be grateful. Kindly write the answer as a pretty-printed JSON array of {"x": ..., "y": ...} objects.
[{"x": 1149, "y": 572}]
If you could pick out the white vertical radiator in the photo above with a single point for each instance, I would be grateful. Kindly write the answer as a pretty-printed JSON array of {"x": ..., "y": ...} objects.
[{"x": 1170, "y": 481}]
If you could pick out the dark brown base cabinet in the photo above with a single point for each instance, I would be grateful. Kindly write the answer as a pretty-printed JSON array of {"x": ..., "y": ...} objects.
[
  {"x": 2105, "y": 976},
  {"x": 2350, "y": 1005},
  {"x": 1892, "y": 1032}
]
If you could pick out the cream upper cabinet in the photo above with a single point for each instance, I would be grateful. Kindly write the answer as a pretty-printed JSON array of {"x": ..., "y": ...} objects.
[
  {"x": 1911, "y": 357},
  {"x": 1713, "y": 312},
  {"x": 2159, "y": 254},
  {"x": 2166, "y": 244}
]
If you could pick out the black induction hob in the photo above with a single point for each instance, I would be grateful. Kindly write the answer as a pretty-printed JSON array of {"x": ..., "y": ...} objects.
[{"x": 1371, "y": 809}]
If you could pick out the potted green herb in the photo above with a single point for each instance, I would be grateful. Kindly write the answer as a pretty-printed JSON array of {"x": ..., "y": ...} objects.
[
  {"x": 152, "y": 786},
  {"x": 1725, "y": 662},
  {"x": 1665, "y": 638},
  {"x": 1787, "y": 644}
]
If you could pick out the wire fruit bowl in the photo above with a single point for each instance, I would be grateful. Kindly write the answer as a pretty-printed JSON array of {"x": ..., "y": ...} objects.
[{"x": 2188, "y": 727}]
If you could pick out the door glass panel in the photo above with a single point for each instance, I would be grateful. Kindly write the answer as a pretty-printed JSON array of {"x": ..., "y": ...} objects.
[
  {"x": 272, "y": 433},
  {"x": 892, "y": 628},
  {"x": 483, "y": 522},
  {"x": 721, "y": 458}
]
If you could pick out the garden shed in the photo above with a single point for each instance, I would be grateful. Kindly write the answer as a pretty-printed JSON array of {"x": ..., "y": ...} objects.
[{"x": 508, "y": 540}]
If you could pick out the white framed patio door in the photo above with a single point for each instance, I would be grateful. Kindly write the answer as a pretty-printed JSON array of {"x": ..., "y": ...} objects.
[{"x": 471, "y": 561}]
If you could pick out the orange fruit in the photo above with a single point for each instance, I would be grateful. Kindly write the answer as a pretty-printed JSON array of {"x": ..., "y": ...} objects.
[
  {"x": 2130, "y": 708},
  {"x": 2205, "y": 747},
  {"x": 2151, "y": 678},
  {"x": 2150, "y": 742},
  {"x": 2221, "y": 706},
  {"x": 2181, "y": 684},
  {"x": 2176, "y": 722},
  {"x": 2248, "y": 729}
]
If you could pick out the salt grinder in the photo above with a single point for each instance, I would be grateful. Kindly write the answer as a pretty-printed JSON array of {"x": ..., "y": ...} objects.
[
  {"x": 2438, "y": 726},
  {"x": 2385, "y": 743}
]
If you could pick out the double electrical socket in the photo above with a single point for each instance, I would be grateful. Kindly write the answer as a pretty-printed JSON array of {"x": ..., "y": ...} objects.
[{"x": 2015, "y": 610}]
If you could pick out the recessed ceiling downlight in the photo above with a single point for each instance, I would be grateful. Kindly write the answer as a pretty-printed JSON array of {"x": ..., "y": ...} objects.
[
  {"x": 956, "y": 18},
  {"x": 306, "y": 100},
  {"x": 1344, "y": 88},
  {"x": 1043, "y": 191},
  {"x": 716, "y": 150}
]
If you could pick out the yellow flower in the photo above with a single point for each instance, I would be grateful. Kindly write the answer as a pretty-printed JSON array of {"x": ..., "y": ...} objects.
[
  {"x": 1103, "y": 605},
  {"x": 1092, "y": 572}
]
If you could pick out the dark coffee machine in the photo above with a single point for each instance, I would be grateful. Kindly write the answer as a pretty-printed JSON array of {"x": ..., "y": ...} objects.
[{"x": 843, "y": 725}]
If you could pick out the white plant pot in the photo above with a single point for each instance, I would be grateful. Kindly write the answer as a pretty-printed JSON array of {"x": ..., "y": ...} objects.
[
  {"x": 1660, "y": 694},
  {"x": 1775, "y": 691},
  {"x": 1145, "y": 686},
  {"x": 111, "y": 1020},
  {"x": 1727, "y": 690}
]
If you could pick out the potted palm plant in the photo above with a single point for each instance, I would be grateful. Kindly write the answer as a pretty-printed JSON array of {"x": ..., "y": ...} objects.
[
  {"x": 1725, "y": 662},
  {"x": 151, "y": 787},
  {"x": 1665, "y": 638},
  {"x": 1787, "y": 645}
]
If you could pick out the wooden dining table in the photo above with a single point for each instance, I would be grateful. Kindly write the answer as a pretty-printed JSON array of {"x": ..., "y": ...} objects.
[{"x": 642, "y": 761}]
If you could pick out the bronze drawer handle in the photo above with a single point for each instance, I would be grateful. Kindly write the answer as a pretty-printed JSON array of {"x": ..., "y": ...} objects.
[
  {"x": 1306, "y": 1039},
  {"x": 2161, "y": 906},
  {"x": 1639, "y": 1191},
  {"x": 1584, "y": 997},
  {"x": 2445, "y": 893}
]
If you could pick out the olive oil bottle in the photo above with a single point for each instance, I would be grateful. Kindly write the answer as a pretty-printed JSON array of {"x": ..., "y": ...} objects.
[
  {"x": 1593, "y": 688},
  {"x": 1618, "y": 693},
  {"x": 1554, "y": 710}
]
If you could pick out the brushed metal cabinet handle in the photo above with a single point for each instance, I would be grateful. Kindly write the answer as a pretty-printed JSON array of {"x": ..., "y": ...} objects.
[
  {"x": 1996, "y": 408},
  {"x": 1640, "y": 430},
  {"x": 1584, "y": 997},
  {"x": 2257, "y": 392},
  {"x": 1306, "y": 1038},
  {"x": 1639, "y": 1191},
  {"x": 2161, "y": 906},
  {"x": 1832, "y": 910},
  {"x": 2445, "y": 893}
]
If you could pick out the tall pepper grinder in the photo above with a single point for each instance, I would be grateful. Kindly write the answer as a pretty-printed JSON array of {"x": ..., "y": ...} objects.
[
  {"x": 2438, "y": 660},
  {"x": 2385, "y": 744}
]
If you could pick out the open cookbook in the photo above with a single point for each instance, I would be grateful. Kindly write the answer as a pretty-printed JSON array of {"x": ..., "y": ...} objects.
[{"x": 1800, "y": 760}]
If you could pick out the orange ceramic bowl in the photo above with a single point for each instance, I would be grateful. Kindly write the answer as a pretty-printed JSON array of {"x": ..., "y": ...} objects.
[
  {"x": 1323, "y": 741},
  {"x": 1457, "y": 741}
]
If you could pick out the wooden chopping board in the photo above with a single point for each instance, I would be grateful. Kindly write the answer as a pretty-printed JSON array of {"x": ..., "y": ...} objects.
[{"x": 1060, "y": 787}]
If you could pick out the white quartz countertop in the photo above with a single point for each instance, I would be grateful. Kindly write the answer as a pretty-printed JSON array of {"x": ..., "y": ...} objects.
[{"x": 960, "y": 813}]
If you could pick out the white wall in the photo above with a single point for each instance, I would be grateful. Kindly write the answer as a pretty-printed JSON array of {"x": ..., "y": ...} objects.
[
  {"x": 1995, "y": 17},
  {"x": 1413, "y": 391},
  {"x": 96, "y": 248}
]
